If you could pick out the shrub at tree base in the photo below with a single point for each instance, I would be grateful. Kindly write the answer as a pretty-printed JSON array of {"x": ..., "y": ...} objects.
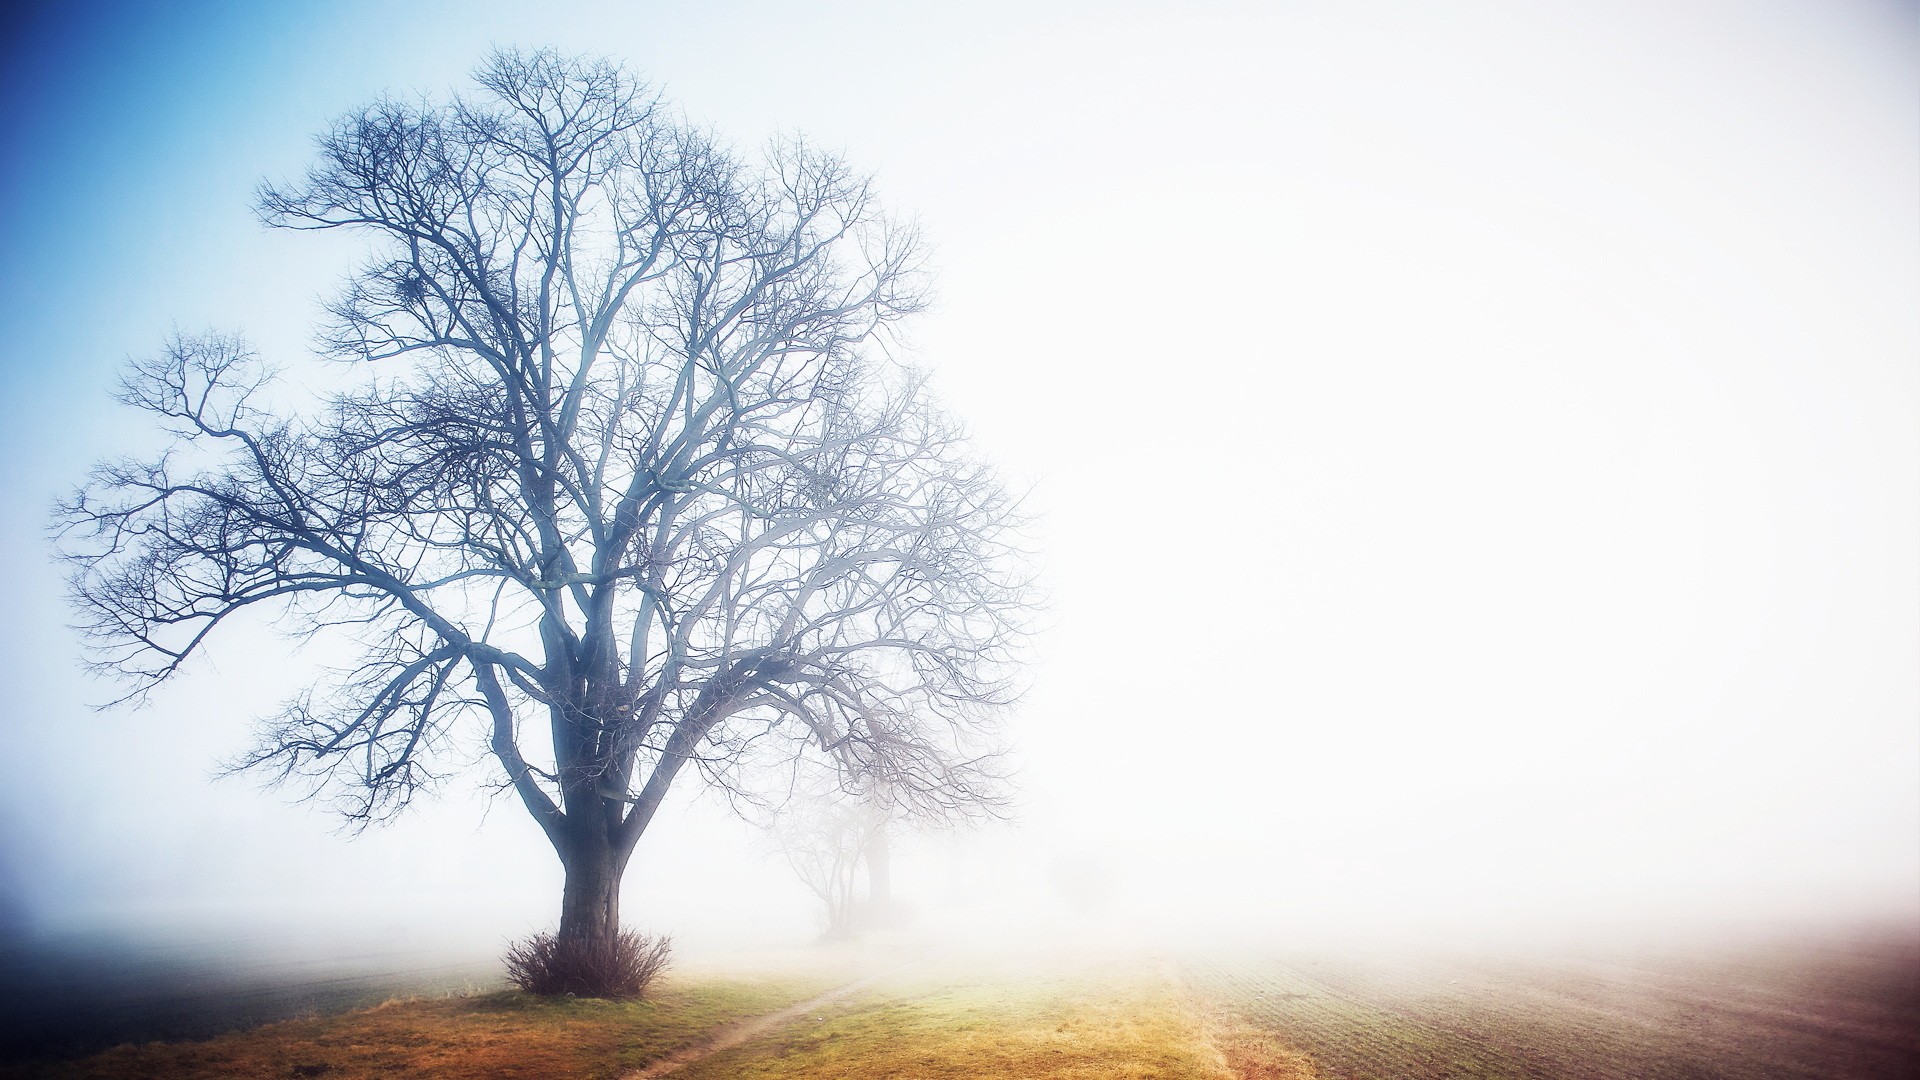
[{"x": 620, "y": 967}]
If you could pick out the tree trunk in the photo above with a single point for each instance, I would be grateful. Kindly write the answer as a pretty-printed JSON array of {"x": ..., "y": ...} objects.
[
  {"x": 879, "y": 872},
  {"x": 590, "y": 904}
]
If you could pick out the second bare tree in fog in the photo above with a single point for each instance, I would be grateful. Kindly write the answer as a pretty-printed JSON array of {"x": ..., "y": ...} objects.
[
  {"x": 834, "y": 836},
  {"x": 629, "y": 480}
]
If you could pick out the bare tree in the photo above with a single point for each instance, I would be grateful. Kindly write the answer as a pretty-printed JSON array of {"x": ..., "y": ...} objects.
[
  {"x": 830, "y": 828},
  {"x": 825, "y": 841},
  {"x": 631, "y": 468}
]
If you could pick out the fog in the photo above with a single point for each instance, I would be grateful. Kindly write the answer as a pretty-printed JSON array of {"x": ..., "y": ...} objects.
[{"x": 1474, "y": 457}]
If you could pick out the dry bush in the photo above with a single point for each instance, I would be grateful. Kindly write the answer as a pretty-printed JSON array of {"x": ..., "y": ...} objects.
[{"x": 619, "y": 967}]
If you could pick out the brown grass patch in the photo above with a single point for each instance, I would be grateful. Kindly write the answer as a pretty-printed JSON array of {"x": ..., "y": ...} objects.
[{"x": 1251, "y": 1053}]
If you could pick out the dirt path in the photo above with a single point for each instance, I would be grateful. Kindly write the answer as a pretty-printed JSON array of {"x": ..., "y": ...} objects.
[{"x": 735, "y": 1034}]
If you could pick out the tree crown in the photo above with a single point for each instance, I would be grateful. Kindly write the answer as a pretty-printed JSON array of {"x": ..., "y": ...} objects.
[{"x": 631, "y": 462}]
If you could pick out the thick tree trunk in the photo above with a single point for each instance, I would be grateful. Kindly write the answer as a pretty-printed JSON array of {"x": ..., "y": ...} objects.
[{"x": 590, "y": 902}]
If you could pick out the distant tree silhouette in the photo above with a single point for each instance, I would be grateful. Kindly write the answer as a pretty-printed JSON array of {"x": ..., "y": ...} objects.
[{"x": 830, "y": 831}]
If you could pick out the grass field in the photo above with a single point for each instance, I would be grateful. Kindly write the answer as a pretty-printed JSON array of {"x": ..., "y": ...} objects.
[
  {"x": 1839, "y": 1011},
  {"x": 502, "y": 1034},
  {"x": 67, "y": 997},
  {"x": 1053, "y": 1017}
]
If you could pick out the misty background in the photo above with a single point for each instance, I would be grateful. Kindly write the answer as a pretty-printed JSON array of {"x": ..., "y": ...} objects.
[{"x": 1475, "y": 453}]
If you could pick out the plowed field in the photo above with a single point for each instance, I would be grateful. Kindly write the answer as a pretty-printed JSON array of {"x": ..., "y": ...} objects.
[{"x": 1833, "y": 1011}]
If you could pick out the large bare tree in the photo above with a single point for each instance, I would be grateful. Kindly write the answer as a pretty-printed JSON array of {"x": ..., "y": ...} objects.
[{"x": 631, "y": 479}]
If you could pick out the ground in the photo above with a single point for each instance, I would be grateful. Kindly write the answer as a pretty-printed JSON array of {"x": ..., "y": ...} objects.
[
  {"x": 501, "y": 1034},
  {"x": 1048, "y": 1016},
  {"x": 1806, "y": 1009},
  {"x": 1849, "y": 1009}
]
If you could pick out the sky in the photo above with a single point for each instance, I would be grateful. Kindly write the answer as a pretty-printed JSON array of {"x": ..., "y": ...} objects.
[{"x": 1475, "y": 448}]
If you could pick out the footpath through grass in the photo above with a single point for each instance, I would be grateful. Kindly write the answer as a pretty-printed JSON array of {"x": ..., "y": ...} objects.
[
  {"x": 1047, "y": 1019},
  {"x": 1057, "y": 1017}
]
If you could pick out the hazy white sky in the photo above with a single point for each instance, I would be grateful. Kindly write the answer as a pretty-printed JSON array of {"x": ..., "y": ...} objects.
[{"x": 1477, "y": 446}]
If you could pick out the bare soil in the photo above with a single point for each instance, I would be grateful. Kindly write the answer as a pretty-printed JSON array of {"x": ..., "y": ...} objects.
[{"x": 1834, "y": 1009}]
